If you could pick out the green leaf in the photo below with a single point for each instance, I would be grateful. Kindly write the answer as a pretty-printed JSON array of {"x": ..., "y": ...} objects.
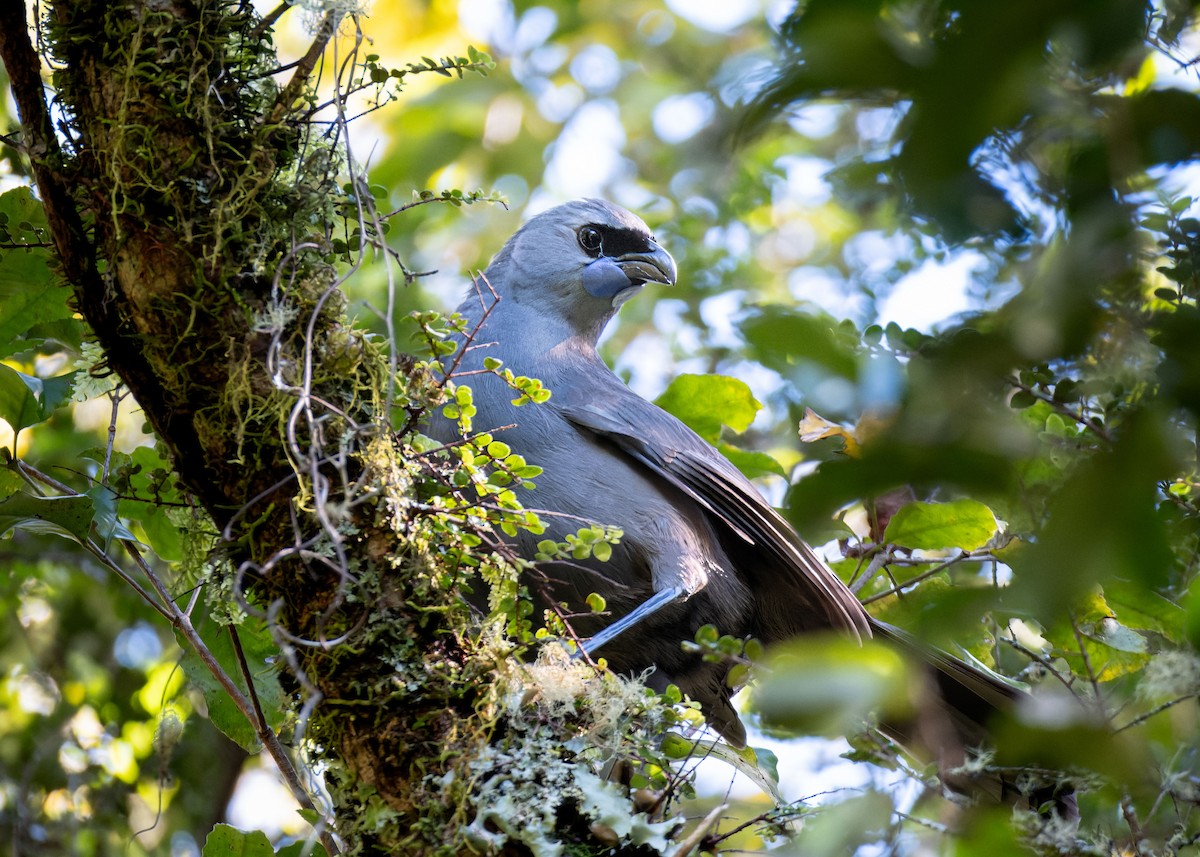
[
  {"x": 226, "y": 841},
  {"x": 828, "y": 686},
  {"x": 1095, "y": 645},
  {"x": 108, "y": 525},
  {"x": 707, "y": 635},
  {"x": 780, "y": 338},
  {"x": 153, "y": 476},
  {"x": 31, "y": 295},
  {"x": 164, "y": 535},
  {"x": 966, "y": 524},
  {"x": 26, "y": 400},
  {"x": 1103, "y": 526},
  {"x": 1139, "y": 607},
  {"x": 675, "y": 746},
  {"x": 759, "y": 764},
  {"x": 752, "y": 463},
  {"x": 258, "y": 647},
  {"x": 68, "y": 331},
  {"x": 706, "y": 402},
  {"x": 69, "y": 517},
  {"x": 10, "y": 483},
  {"x": 1022, "y": 399}
]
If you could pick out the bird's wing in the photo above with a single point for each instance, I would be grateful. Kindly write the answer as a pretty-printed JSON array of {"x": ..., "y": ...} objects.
[{"x": 790, "y": 578}]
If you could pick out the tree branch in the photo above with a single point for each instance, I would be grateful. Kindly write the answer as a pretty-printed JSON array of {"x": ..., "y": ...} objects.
[{"x": 304, "y": 68}]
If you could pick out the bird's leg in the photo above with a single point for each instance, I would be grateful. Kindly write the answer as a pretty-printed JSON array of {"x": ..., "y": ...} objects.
[{"x": 642, "y": 611}]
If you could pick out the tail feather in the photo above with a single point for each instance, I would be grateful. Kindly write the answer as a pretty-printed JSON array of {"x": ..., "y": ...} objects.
[
  {"x": 954, "y": 721},
  {"x": 971, "y": 695}
]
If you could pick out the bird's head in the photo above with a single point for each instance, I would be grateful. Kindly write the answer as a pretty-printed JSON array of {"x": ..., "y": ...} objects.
[{"x": 580, "y": 261}]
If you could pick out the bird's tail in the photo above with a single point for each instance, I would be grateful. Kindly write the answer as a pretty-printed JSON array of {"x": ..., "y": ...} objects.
[{"x": 953, "y": 722}]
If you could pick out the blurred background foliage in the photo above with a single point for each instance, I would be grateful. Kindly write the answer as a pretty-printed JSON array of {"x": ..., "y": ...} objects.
[{"x": 952, "y": 243}]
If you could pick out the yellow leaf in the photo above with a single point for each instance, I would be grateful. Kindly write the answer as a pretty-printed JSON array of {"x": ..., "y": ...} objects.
[
  {"x": 1143, "y": 79},
  {"x": 815, "y": 427}
]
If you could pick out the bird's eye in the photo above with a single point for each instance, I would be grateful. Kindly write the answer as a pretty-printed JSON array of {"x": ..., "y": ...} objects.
[{"x": 591, "y": 240}]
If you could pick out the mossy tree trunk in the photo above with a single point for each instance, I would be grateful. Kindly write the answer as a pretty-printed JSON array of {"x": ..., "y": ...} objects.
[
  {"x": 190, "y": 211},
  {"x": 192, "y": 207}
]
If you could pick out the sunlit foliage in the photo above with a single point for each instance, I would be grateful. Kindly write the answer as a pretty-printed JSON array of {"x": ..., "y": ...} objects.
[{"x": 1013, "y": 477}]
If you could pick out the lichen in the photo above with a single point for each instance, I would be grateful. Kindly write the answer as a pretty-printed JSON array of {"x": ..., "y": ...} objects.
[
  {"x": 1171, "y": 674},
  {"x": 566, "y": 724}
]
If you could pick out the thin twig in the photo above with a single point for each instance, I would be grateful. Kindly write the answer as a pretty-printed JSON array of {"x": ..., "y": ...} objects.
[
  {"x": 1095, "y": 427},
  {"x": 413, "y": 204},
  {"x": 776, "y": 815},
  {"x": 697, "y": 836},
  {"x": 115, "y": 395},
  {"x": 248, "y": 677},
  {"x": 456, "y": 443},
  {"x": 1129, "y": 813},
  {"x": 878, "y": 561},
  {"x": 183, "y": 624},
  {"x": 1039, "y": 658},
  {"x": 33, "y": 477},
  {"x": 181, "y": 621},
  {"x": 268, "y": 21},
  {"x": 99, "y": 553},
  {"x": 1158, "y": 709},
  {"x": 1087, "y": 664},
  {"x": 912, "y": 581}
]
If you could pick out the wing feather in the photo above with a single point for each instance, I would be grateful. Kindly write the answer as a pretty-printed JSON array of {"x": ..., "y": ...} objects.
[{"x": 788, "y": 573}]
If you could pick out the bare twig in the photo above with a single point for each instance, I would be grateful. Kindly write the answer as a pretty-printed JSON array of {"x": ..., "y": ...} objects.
[
  {"x": 880, "y": 559},
  {"x": 1129, "y": 813},
  {"x": 1158, "y": 709},
  {"x": 965, "y": 556},
  {"x": 1039, "y": 658},
  {"x": 1087, "y": 664},
  {"x": 697, "y": 836},
  {"x": 268, "y": 21},
  {"x": 115, "y": 396},
  {"x": 487, "y": 310},
  {"x": 248, "y": 677}
]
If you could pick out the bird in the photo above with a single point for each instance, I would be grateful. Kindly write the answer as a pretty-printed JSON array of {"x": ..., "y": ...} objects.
[{"x": 700, "y": 545}]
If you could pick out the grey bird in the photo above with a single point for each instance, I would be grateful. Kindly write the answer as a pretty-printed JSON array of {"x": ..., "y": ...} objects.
[{"x": 700, "y": 545}]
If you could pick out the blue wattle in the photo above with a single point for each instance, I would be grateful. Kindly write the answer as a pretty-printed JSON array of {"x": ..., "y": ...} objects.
[{"x": 604, "y": 279}]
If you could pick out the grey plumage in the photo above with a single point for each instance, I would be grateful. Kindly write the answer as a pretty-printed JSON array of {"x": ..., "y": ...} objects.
[{"x": 691, "y": 520}]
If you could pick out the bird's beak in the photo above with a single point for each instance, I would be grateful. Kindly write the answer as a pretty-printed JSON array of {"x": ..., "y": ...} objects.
[{"x": 652, "y": 266}]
